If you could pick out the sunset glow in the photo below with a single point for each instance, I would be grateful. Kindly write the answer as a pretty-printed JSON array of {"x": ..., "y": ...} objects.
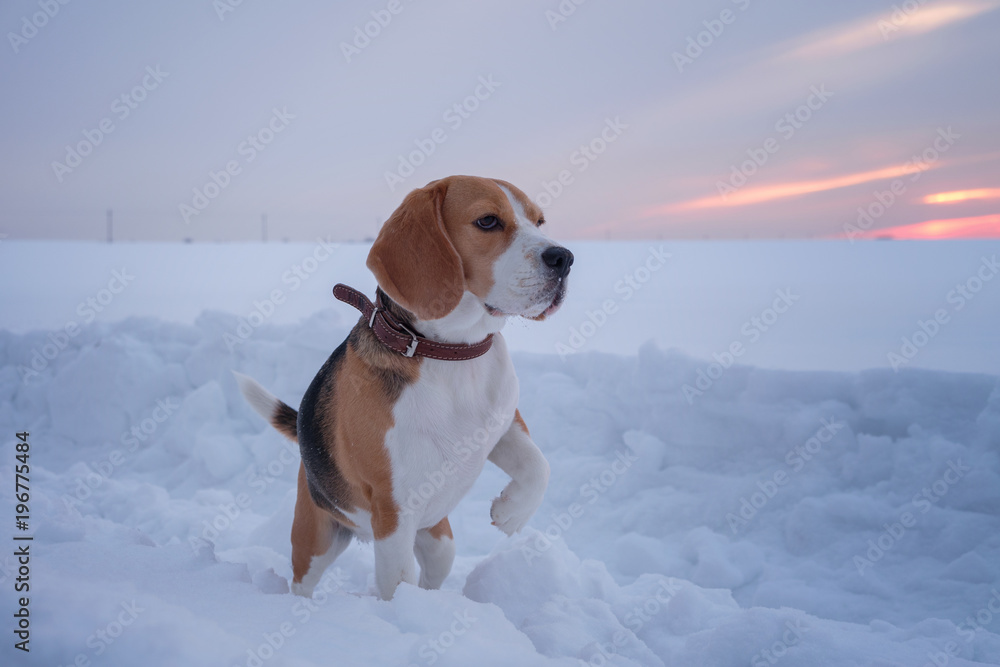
[
  {"x": 962, "y": 195},
  {"x": 876, "y": 29},
  {"x": 766, "y": 193},
  {"x": 979, "y": 227}
]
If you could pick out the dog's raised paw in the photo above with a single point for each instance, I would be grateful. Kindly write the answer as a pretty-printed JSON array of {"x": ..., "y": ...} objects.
[{"x": 509, "y": 515}]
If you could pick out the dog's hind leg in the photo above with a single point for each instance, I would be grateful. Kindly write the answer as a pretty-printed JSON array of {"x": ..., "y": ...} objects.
[
  {"x": 435, "y": 551},
  {"x": 317, "y": 540}
]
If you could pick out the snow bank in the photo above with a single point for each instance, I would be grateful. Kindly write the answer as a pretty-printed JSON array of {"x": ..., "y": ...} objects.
[{"x": 776, "y": 517}]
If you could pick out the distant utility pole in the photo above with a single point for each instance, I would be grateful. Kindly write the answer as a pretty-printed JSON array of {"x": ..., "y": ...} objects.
[
  {"x": 263, "y": 228},
  {"x": 111, "y": 235}
]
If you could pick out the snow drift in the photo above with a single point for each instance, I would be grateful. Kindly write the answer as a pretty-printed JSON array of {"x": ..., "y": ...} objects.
[{"x": 793, "y": 518}]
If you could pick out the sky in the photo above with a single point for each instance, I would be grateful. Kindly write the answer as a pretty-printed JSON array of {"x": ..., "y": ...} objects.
[{"x": 624, "y": 120}]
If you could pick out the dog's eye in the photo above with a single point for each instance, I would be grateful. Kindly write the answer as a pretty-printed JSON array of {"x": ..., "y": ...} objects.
[
  {"x": 488, "y": 222},
  {"x": 541, "y": 221}
]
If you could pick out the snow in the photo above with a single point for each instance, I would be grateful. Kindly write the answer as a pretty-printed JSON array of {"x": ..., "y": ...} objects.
[{"x": 697, "y": 514}]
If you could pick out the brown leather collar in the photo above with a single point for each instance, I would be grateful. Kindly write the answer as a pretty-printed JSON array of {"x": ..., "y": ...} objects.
[{"x": 399, "y": 338}]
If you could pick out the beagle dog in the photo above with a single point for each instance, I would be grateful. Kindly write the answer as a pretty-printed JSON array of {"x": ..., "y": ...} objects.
[{"x": 392, "y": 436}]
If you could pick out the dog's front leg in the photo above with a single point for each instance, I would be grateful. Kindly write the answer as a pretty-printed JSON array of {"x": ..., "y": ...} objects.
[
  {"x": 394, "y": 555},
  {"x": 518, "y": 456}
]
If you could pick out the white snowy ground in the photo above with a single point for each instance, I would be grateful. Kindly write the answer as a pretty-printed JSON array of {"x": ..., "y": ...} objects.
[{"x": 758, "y": 517}]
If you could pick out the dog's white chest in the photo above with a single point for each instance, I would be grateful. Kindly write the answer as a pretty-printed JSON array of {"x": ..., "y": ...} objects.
[{"x": 446, "y": 424}]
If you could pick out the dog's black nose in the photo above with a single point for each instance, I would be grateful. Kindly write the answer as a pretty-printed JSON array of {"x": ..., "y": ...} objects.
[{"x": 558, "y": 259}]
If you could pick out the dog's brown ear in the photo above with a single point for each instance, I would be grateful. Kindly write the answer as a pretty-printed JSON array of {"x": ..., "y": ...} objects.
[{"x": 413, "y": 258}]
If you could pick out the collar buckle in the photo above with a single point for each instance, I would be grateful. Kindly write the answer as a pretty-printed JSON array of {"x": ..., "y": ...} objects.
[{"x": 411, "y": 349}]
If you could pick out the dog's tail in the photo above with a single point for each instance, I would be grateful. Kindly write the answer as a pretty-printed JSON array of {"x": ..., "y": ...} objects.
[{"x": 280, "y": 415}]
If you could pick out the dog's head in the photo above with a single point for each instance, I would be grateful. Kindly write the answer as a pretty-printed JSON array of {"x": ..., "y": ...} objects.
[{"x": 470, "y": 244}]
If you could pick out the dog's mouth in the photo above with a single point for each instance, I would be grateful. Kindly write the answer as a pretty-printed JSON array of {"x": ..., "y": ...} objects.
[
  {"x": 557, "y": 301},
  {"x": 554, "y": 304}
]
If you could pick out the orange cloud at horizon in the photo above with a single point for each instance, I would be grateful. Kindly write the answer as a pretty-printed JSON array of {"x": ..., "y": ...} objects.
[
  {"x": 962, "y": 195},
  {"x": 765, "y": 193},
  {"x": 978, "y": 227}
]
